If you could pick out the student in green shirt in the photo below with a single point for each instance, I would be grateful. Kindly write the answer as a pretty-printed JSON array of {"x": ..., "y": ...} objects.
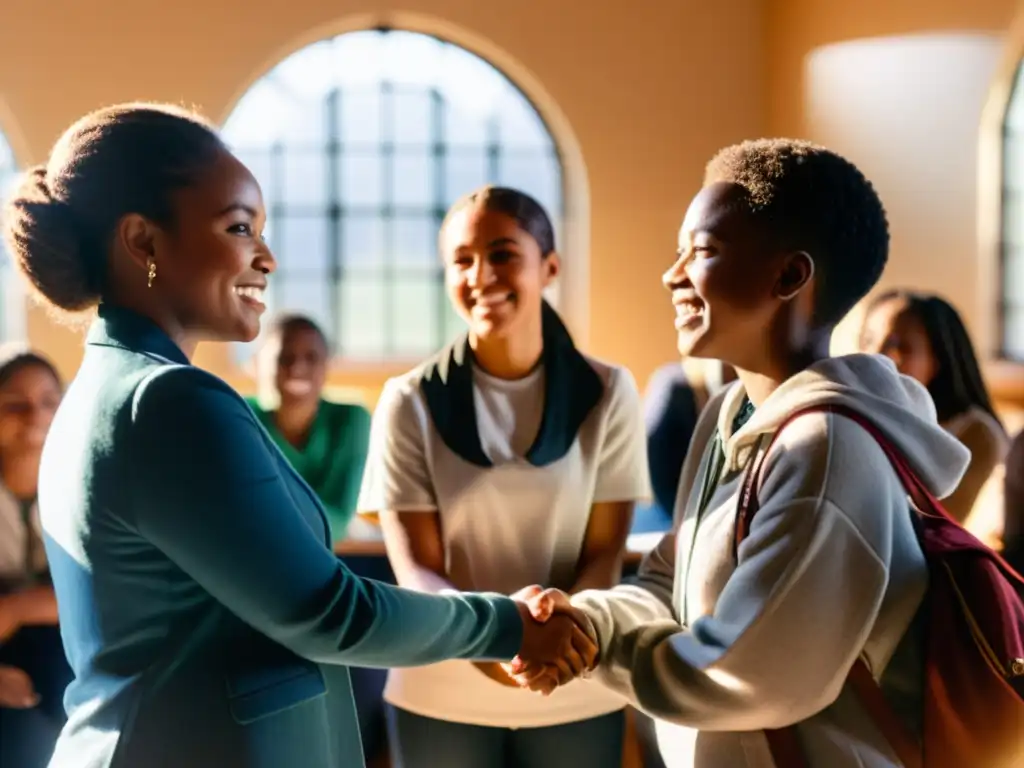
[{"x": 325, "y": 442}]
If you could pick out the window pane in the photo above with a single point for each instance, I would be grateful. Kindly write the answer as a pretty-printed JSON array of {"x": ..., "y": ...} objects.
[
  {"x": 417, "y": 303},
  {"x": 257, "y": 160},
  {"x": 311, "y": 297},
  {"x": 308, "y": 73},
  {"x": 416, "y": 242},
  {"x": 361, "y": 179},
  {"x": 305, "y": 178},
  {"x": 536, "y": 173},
  {"x": 259, "y": 117},
  {"x": 453, "y": 324},
  {"x": 1013, "y": 217},
  {"x": 8, "y": 178},
  {"x": 362, "y": 239},
  {"x": 362, "y": 307},
  {"x": 306, "y": 123},
  {"x": 412, "y": 179},
  {"x": 463, "y": 128},
  {"x": 1013, "y": 159},
  {"x": 1013, "y": 274},
  {"x": 1013, "y": 332},
  {"x": 465, "y": 170},
  {"x": 411, "y": 57},
  {"x": 360, "y": 116},
  {"x": 1015, "y": 109},
  {"x": 301, "y": 246},
  {"x": 413, "y": 117},
  {"x": 359, "y": 56},
  {"x": 393, "y": 91},
  {"x": 519, "y": 124}
]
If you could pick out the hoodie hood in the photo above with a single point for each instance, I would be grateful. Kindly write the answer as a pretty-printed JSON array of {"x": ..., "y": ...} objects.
[{"x": 870, "y": 384}]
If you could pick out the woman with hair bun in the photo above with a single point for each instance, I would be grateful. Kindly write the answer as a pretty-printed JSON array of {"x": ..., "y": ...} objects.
[{"x": 203, "y": 613}]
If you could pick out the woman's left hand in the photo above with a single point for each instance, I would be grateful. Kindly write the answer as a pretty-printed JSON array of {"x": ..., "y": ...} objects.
[{"x": 10, "y": 616}]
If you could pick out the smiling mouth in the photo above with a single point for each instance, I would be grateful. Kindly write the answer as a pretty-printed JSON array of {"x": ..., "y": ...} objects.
[
  {"x": 251, "y": 294},
  {"x": 688, "y": 313},
  {"x": 490, "y": 301}
]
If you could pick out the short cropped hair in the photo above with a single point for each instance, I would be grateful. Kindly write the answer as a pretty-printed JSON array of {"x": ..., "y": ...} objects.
[{"x": 811, "y": 199}]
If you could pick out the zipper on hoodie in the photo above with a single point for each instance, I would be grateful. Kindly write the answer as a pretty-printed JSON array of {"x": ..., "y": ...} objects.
[{"x": 709, "y": 483}]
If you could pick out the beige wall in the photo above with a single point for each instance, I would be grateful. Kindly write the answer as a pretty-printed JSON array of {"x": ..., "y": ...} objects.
[
  {"x": 638, "y": 91},
  {"x": 906, "y": 109},
  {"x": 642, "y": 93}
]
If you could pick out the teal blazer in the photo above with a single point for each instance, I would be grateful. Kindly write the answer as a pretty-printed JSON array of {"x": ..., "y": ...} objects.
[{"x": 206, "y": 619}]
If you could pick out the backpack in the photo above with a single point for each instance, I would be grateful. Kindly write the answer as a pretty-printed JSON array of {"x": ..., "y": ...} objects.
[{"x": 974, "y": 639}]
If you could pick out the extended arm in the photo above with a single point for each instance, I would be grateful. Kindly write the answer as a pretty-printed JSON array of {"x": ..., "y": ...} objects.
[
  {"x": 752, "y": 662},
  {"x": 212, "y": 499}
]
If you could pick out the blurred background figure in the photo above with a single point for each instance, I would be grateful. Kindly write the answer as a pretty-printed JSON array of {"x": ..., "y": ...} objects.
[
  {"x": 326, "y": 442},
  {"x": 676, "y": 394},
  {"x": 33, "y": 668},
  {"x": 926, "y": 338},
  {"x": 1013, "y": 505}
]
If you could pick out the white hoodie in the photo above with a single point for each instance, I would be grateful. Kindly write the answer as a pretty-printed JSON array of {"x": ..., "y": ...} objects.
[{"x": 830, "y": 569}]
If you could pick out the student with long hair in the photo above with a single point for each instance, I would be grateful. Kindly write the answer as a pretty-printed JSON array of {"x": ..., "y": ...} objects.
[
  {"x": 720, "y": 642},
  {"x": 924, "y": 335},
  {"x": 508, "y": 459},
  {"x": 33, "y": 670}
]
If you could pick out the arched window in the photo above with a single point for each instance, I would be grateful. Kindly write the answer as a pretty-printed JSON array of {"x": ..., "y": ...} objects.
[
  {"x": 11, "y": 303},
  {"x": 360, "y": 143},
  {"x": 1011, "y": 262}
]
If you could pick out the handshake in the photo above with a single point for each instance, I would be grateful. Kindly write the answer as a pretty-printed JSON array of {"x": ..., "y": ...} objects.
[{"x": 559, "y": 643}]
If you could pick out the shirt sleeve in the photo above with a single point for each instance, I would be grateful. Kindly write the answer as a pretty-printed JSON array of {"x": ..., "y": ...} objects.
[
  {"x": 622, "y": 473},
  {"x": 209, "y": 494},
  {"x": 397, "y": 476},
  {"x": 816, "y": 543}
]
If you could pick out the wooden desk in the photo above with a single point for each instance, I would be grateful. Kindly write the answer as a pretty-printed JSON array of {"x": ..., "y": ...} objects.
[{"x": 637, "y": 545}]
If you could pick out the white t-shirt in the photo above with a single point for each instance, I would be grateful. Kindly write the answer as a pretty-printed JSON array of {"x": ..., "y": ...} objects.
[
  {"x": 506, "y": 526},
  {"x": 22, "y": 556}
]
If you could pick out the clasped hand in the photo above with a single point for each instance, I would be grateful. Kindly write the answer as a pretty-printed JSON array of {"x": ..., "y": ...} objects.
[{"x": 559, "y": 642}]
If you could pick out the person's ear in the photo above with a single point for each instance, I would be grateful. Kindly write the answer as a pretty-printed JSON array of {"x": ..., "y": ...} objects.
[
  {"x": 552, "y": 266},
  {"x": 796, "y": 275},
  {"x": 137, "y": 237}
]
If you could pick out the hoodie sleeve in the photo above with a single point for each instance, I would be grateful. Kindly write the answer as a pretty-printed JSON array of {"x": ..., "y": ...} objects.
[{"x": 794, "y": 614}]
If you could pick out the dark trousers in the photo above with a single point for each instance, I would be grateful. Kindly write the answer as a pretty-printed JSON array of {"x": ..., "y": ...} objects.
[
  {"x": 423, "y": 742},
  {"x": 27, "y": 736}
]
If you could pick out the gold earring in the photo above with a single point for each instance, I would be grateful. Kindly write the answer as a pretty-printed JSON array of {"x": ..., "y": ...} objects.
[{"x": 152, "y": 274}]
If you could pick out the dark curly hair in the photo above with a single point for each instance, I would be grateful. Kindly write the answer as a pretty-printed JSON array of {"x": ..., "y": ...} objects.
[{"x": 808, "y": 198}]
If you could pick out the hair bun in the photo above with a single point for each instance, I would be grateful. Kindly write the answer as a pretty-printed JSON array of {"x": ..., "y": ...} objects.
[{"x": 46, "y": 245}]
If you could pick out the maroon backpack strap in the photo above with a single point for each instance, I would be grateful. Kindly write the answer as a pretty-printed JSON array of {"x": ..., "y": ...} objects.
[{"x": 784, "y": 743}]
